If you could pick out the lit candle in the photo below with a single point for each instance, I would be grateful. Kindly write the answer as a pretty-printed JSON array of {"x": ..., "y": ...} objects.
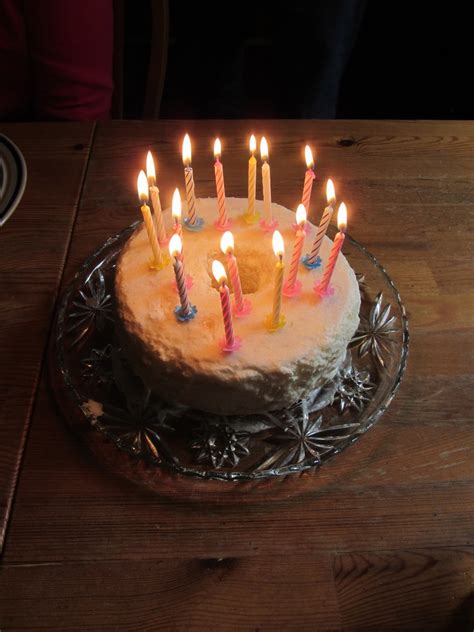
[
  {"x": 155, "y": 198},
  {"x": 251, "y": 215},
  {"x": 222, "y": 222},
  {"x": 142, "y": 185},
  {"x": 267, "y": 222},
  {"x": 192, "y": 222},
  {"x": 308, "y": 178},
  {"x": 292, "y": 286},
  {"x": 276, "y": 320},
  {"x": 185, "y": 311},
  {"x": 313, "y": 260},
  {"x": 242, "y": 306},
  {"x": 176, "y": 212},
  {"x": 230, "y": 342},
  {"x": 322, "y": 287}
]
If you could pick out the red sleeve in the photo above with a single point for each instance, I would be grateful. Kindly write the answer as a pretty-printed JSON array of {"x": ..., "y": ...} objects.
[{"x": 71, "y": 48}]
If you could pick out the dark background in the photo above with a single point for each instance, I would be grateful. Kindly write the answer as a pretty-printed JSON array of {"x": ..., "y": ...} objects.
[{"x": 339, "y": 58}]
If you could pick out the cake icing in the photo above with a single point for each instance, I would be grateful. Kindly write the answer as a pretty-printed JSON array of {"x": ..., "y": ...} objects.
[{"x": 183, "y": 362}]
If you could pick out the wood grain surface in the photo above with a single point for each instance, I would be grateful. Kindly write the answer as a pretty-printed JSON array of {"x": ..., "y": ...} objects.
[
  {"x": 381, "y": 538},
  {"x": 33, "y": 247}
]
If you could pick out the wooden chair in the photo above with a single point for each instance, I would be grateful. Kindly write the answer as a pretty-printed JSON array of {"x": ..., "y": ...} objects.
[{"x": 156, "y": 63}]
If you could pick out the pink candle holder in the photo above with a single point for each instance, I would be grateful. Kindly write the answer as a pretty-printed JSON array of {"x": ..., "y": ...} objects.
[
  {"x": 223, "y": 227},
  {"x": 246, "y": 308},
  {"x": 307, "y": 227},
  {"x": 226, "y": 348},
  {"x": 321, "y": 291},
  {"x": 291, "y": 291},
  {"x": 268, "y": 228}
]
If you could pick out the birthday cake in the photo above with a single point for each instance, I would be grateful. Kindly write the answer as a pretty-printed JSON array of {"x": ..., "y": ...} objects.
[{"x": 184, "y": 362}]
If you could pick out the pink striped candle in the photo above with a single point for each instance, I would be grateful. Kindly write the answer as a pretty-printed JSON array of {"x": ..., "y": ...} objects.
[
  {"x": 222, "y": 222},
  {"x": 242, "y": 306},
  {"x": 292, "y": 286},
  {"x": 230, "y": 342},
  {"x": 322, "y": 287},
  {"x": 176, "y": 212}
]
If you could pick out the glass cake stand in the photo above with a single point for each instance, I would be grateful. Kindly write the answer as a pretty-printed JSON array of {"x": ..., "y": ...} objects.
[{"x": 190, "y": 454}]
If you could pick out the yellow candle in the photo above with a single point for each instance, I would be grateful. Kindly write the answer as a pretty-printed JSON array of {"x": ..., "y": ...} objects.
[
  {"x": 142, "y": 184},
  {"x": 155, "y": 198},
  {"x": 251, "y": 216},
  {"x": 275, "y": 320},
  {"x": 266, "y": 181}
]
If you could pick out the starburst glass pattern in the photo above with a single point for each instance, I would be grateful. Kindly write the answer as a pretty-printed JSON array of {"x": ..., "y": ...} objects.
[
  {"x": 220, "y": 445},
  {"x": 96, "y": 370},
  {"x": 374, "y": 333},
  {"x": 354, "y": 389},
  {"x": 136, "y": 427},
  {"x": 92, "y": 308},
  {"x": 304, "y": 439}
]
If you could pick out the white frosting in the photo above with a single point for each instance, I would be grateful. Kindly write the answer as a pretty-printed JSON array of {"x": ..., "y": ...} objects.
[{"x": 183, "y": 361}]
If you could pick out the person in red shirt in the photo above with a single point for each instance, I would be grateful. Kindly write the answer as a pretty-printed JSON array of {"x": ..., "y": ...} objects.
[{"x": 56, "y": 59}]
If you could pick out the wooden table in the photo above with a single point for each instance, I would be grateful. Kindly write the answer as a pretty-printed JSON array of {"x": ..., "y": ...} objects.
[{"x": 382, "y": 540}]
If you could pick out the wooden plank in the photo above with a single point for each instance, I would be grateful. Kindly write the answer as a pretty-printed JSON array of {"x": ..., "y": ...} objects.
[
  {"x": 265, "y": 593},
  {"x": 426, "y": 589},
  {"x": 33, "y": 246}
]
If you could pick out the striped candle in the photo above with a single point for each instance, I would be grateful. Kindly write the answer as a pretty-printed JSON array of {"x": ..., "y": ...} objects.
[
  {"x": 142, "y": 185},
  {"x": 266, "y": 182},
  {"x": 323, "y": 285},
  {"x": 231, "y": 343},
  {"x": 308, "y": 178},
  {"x": 189, "y": 181},
  {"x": 176, "y": 212},
  {"x": 324, "y": 223},
  {"x": 227, "y": 247},
  {"x": 155, "y": 198},
  {"x": 252, "y": 181},
  {"x": 276, "y": 320},
  {"x": 297, "y": 250},
  {"x": 219, "y": 174},
  {"x": 178, "y": 265}
]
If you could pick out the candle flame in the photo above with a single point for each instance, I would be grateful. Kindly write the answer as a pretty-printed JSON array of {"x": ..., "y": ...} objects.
[
  {"x": 227, "y": 242},
  {"x": 300, "y": 215},
  {"x": 342, "y": 217},
  {"x": 264, "y": 148},
  {"x": 330, "y": 192},
  {"x": 150, "y": 169},
  {"x": 253, "y": 144},
  {"x": 176, "y": 205},
  {"x": 218, "y": 271},
  {"x": 278, "y": 244},
  {"x": 142, "y": 186},
  {"x": 186, "y": 150},
  {"x": 217, "y": 149},
  {"x": 175, "y": 245},
  {"x": 308, "y": 155}
]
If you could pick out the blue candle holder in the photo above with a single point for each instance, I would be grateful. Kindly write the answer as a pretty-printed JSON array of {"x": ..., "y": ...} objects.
[
  {"x": 196, "y": 227},
  {"x": 181, "y": 317},
  {"x": 311, "y": 266}
]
